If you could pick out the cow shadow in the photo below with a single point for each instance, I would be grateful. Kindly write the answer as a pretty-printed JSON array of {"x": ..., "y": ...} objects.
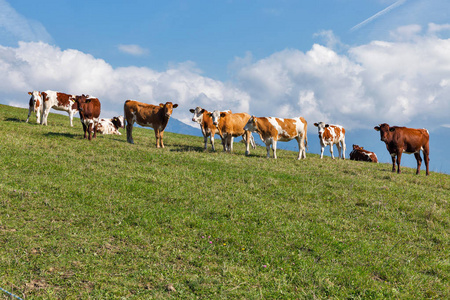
[
  {"x": 14, "y": 120},
  {"x": 62, "y": 134},
  {"x": 186, "y": 148}
]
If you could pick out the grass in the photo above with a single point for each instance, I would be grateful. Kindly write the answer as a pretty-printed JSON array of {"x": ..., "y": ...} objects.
[{"x": 107, "y": 220}]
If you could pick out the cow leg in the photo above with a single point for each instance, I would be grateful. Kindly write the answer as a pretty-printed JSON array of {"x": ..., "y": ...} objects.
[
  {"x": 161, "y": 135},
  {"x": 157, "y": 136},
  {"x": 393, "y": 162},
  {"x": 321, "y": 151},
  {"x": 419, "y": 162},
  {"x": 205, "y": 142},
  {"x": 29, "y": 114},
  {"x": 301, "y": 147},
  {"x": 331, "y": 150},
  {"x": 247, "y": 136},
  {"x": 130, "y": 132},
  {"x": 231, "y": 143},
  {"x": 268, "y": 149},
  {"x": 95, "y": 129},
  {"x": 38, "y": 116},
  {"x": 85, "y": 130},
  {"x": 211, "y": 139},
  {"x": 343, "y": 148},
  {"x": 399, "y": 159},
  {"x": 71, "y": 117},
  {"x": 274, "y": 149},
  {"x": 426, "y": 151},
  {"x": 45, "y": 115}
]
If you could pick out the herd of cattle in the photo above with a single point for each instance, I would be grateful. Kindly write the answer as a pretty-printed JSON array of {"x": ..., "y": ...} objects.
[{"x": 228, "y": 125}]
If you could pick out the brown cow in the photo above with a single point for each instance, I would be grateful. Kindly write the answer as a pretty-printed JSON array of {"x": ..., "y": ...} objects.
[
  {"x": 202, "y": 117},
  {"x": 232, "y": 125},
  {"x": 272, "y": 130},
  {"x": 360, "y": 154},
  {"x": 148, "y": 115},
  {"x": 408, "y": 140},
  {"x": 89, "y": 109}
]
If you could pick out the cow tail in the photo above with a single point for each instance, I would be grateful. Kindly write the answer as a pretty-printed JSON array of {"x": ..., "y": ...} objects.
[{"x": 306, "y": 136}]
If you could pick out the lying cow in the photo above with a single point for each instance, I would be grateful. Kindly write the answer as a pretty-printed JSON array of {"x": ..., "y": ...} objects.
[
  {"x": 330, "y": 135},
  {"x": 408, "y": 140},
  {"x": 110, "y": 126},
  {"x": 230, "y": 126},
  {"x": 35, "y": 105},
  {"x": 271, "y": 130},
  {"x": 89, "y": 108},
  {"x": 360, "y": 154},
  {"x": 58, "y": 101},
  {"x": 148, "y": 115}
]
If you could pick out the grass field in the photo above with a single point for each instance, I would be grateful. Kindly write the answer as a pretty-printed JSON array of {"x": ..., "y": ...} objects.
[{"x": 109, "y": 220}]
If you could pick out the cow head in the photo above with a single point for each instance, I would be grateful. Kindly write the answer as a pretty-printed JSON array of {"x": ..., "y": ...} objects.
[
  {"x": 385, "y": 131},
  {"x": 321, "y": 127},
  {"x": 216, "y": 115},
  {"x": 168, "y": 108},
  {"x": 35, "y": 100},
  {"x": 118, "y": 122},
  {"x": 356, "y": 147},
  {"x": 251, "y": 124},
  {"x": 198, "y": 114}
]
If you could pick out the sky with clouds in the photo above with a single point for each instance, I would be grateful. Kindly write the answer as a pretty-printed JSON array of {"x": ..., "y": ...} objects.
[{"x": 349, "y": 62}]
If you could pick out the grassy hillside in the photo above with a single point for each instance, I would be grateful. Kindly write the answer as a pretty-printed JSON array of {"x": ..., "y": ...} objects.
[{"x": 107, "y": 219}]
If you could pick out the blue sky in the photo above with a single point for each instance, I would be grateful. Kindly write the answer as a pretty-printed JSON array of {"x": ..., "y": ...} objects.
[{"x": 351, "y": 62}]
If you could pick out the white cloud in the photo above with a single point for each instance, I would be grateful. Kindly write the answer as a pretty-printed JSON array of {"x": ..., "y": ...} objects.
[
  {"x": 14, "y": 26},
  {"x": 403, "y": 82},
  {"x": 135, "y": 50}
]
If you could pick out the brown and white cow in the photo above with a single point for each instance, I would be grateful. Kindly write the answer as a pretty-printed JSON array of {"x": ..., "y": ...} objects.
[
  {"x": 271, "y": 130},
  {"x": 203, "y": 118},
  {"x": 230, "y": 126},
  {"x": 407, "y": 140},
  {"x": 360, "y": 154},
  {"x": 330, "y": 135},
  {"x": 148, "y": 115},
  {"x": 89, "y": 108},
  {"x": 110, "y": 126},
  {"x": 35, "y": 105},
  {"x": 58, "y": 101}
]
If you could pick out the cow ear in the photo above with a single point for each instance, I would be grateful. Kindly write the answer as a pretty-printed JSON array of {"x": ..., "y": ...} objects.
[
  {"x": 327, "y": 125},
  {"x": 161, "y": 105},
  {"x": 315, "y": 124},
  {"x": 175, "y": 105},
  {"x": 88, "y": 100},
  {"x": 222, "y": 114},
  {"x": 202, "y": 111},
  {"x": 192, "y": 110},
  {"x": 30, "y": 93},
  {"x": 392, "y": 129},
  {"x": 377, "y": 128}
]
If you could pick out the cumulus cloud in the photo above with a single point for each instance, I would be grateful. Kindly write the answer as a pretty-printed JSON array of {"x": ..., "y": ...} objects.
[
  {"x": 405, "y": 81},
  {"x": 135, "y": 50}
]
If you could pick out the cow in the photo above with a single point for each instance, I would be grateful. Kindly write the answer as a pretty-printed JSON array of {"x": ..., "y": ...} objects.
[
  {"x": 89, "y": 109},
  {"x": 203, "y": 118},
  {"x": 230, "y": 126},
  {"x": 330, "y": 135},
  {"x": 407, "y": 140},
  {"x": 110, "y": 126},
  {"x": 148, "y": 115},
  {"x": 35, "y": 105},
  {"x": 271, "y": 130},
  {"x": 360, "y": 154},
  {"x": 58, "y": 101}
]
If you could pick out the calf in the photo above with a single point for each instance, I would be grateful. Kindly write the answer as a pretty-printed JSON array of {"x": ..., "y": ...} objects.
[
  {"x": 148, "y": 115},
  {"x": 202, "y": 117},
  {"x": 89, "y": 108},
  {"x": 408, "y": 140},
  {"x": 110, "y": 126},
  {"x": 358, "y": 153},
  {"x": 232, "y": 125},
  {"x": 271, "y": 130},
  {"x": 58, "y": 101},
  {"x": 35, "y": 105},
  {"x": 330, "y": 135}
]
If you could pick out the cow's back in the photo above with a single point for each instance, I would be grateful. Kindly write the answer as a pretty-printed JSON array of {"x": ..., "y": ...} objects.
[
  {"x": 410, "y": 140},
  {"x": 234, "y": 123},
  {"x": 142, "y": 113}
]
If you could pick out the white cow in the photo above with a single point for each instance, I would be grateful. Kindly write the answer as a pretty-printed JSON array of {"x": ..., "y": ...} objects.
[
  {"x": 35, "y": 105},
  {"x": 330, "y": 135},
  {"x": 58, "y": 101}
]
